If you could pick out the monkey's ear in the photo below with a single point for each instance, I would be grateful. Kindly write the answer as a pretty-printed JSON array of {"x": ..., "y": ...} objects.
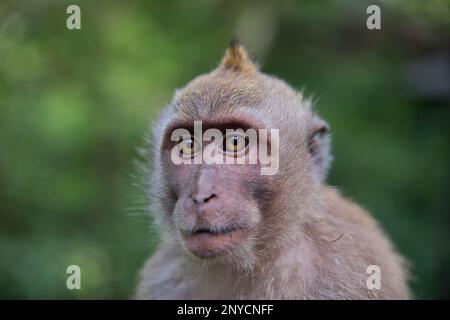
[
  {"x": 319, "y": 148},
  {"x": 236, "y": 59}
]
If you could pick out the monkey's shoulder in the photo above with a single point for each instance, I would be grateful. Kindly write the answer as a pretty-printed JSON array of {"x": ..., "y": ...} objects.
[
  {"x": 354, "y": 241},
  {"x": 348, "y": 225},
  {"x": 341, "y": 208},
  {"x": 161, "y": 277}
]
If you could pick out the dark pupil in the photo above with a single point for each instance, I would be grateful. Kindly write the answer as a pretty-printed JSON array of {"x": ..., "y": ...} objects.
[{"x": 235, "y": 141}]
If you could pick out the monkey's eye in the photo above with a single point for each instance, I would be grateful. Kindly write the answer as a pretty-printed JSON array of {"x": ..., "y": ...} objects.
[
  {"x": 188, "y": 147},
  {"x": 235, "y": 143}
]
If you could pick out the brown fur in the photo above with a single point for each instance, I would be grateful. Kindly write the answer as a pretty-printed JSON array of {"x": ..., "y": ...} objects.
[
  {"x": 236, "y": 58},
  {"x": 305, "y": 240}
]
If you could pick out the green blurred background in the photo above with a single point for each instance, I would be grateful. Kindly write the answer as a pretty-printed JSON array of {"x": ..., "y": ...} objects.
[{"x": 75, "y": 105}]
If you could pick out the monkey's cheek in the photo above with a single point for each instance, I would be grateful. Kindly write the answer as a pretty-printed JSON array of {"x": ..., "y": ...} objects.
[{"x": 211, "y": 245}]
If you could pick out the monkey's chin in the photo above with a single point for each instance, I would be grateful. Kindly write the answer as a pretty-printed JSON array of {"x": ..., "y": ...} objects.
[{"x": 212, "y": 245}]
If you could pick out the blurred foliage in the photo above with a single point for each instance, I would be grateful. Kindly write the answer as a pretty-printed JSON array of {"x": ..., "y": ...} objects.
[{"x": 74, "y": 106}]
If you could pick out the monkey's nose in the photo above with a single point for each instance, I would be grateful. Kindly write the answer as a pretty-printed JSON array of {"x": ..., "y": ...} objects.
[{"x": 201, "y": 198}]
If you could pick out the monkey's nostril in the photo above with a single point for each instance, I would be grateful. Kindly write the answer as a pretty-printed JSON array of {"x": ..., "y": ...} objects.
[
  {"x": 213, "y": 195},
  {"x": 200, "y": 200}
]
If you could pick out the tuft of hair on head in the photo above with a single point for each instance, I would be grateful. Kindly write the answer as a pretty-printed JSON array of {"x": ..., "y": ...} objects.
[{"x": 236, "y": 59}]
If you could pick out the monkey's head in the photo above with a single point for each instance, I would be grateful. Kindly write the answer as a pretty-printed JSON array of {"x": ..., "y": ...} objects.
[{"x": 233, "y": 209}]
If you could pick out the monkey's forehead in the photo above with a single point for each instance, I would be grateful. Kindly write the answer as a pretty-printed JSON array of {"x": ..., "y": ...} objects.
[
  {"x": 219, "y": 92},
  {"x": 224, "y": 92}
]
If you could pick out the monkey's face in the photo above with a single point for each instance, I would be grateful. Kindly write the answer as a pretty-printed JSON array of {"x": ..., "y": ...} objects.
[{"x": 216, "y": 206}]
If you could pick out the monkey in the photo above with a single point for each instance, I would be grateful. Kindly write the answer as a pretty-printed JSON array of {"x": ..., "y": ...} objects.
[{"x": 229, "y": 232}]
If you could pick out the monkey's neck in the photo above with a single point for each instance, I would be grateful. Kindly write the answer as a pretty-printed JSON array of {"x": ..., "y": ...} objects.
[
  {"x": 274, "y": 279},
  {"x": 272, "y": 274},
  {"x": 289, "y": 256}
]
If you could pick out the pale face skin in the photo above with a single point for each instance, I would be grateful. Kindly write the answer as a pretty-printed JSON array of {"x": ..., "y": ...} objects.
[{"x": 217, "y": 205}]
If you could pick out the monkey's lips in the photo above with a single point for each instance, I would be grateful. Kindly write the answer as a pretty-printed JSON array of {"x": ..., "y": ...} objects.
[{"x": 213, "y": 242}]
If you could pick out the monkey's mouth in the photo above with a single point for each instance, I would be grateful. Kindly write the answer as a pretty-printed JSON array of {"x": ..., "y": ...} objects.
[{"x": 208, "y": 242}]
